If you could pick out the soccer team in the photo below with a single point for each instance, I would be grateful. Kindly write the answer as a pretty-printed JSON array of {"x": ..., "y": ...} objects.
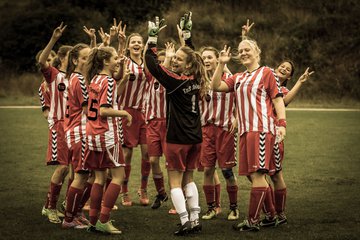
[{"x": 101, "y": 102}]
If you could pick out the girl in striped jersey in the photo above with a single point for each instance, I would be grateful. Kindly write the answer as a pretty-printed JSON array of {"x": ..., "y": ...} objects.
[
  {"x": 218, "y": 111},
  {"x": 156, "y": 132},
  {"x": 103, "y": 150},
  {"x": 57, "y": 149},
  {"x": 257, "y": 92},
  {"x": 133, "y": 100},
  {"x": 285, "y": 70},
  {"x": 75, "y": 130}
]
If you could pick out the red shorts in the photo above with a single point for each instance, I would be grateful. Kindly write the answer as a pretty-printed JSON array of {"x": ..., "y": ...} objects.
[
  {"x": 156, "y": 137},
  {"x": 256, "y": 150},
  {"x": 57, "y": 151},
  {"x": 182, "y": 157},
  {"x": 111, "y": 158},
  {"x": 278, "y": 156},
  {"x": 218, "y": 144},
  {"x": 136, "y": 133},
  {"x": 77, "y": 156}
]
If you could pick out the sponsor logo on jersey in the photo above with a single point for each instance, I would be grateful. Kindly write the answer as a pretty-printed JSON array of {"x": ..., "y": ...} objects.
[
  {"x": 156, "y": 85},
  {"x": 61, "y": 87}
]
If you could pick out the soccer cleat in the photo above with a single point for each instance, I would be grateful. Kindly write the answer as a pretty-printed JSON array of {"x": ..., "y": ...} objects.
[
  {"x": 269, "y": 222},
  {"x": 107, "y": 227},
  {"x": 60, "y": 214},
  {"x": 44, "y": 212},
  {"x": 233, "y": 214},
  {"x": 210, "y": 214},
  {"x": 63, "y": 206},
  {"x": 160, "y": 198},
  {"x": 76, "y": 224},
  {"x": 196, "y": 226},
  {"x": 172, "y": 211},
  {"x": 52, "y": 216},
  {"x": 92, "y": 229},
  {"x": 183, "y": 229},
  {"x": 246, "y": 226},
  {"x": 144, "y": 200},
  {"x": 125, "y": 200},
  {"x": 281, "y": 220}
]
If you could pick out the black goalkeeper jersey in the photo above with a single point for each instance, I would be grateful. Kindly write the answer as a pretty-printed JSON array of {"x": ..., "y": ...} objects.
[{"x": 182, "y": 101}]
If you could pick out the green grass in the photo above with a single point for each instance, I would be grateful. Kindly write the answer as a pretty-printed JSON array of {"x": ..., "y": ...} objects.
[{"x": 321, "y": 168}]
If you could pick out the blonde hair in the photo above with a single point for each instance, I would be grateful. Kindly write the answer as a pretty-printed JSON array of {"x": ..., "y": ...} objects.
[{"x": 254, "y": 46}]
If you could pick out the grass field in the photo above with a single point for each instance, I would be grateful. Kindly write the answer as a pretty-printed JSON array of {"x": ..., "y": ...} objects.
[{"x": 322, "y": 168}]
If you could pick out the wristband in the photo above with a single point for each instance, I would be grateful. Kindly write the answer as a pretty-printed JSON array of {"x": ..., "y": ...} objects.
[
  {"x": 186, "y": 35},
  {"x": 152, "y": 40},
  {"x": 282, "y": 123}
]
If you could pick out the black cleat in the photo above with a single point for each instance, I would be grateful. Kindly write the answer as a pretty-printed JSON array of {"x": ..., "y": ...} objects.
[
  {"x": 196, "y": 226},
  {"x": 269, "y": 222},
  {"x": 246, "y": 226},
  {"x": 160, "y": 199},
  {"x": 183, "y": 229}
]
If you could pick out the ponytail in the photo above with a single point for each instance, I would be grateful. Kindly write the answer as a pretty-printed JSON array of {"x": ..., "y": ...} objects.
[
  {"x": 73, "y": 55},
  {"x": 95, "y": 62}
]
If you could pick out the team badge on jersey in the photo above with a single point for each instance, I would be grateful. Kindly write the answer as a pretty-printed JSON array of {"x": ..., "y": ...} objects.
[
  {"x": 61, "y": 87},
  {"x": 237, "y": 86},
  {"x": 132, "y": 77},
  {"x": 156, "y": 85},
  {"x": 208, "y": 97}
]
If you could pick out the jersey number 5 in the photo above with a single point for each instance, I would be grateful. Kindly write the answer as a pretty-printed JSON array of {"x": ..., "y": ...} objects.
[{"x": 93, "y": 111}]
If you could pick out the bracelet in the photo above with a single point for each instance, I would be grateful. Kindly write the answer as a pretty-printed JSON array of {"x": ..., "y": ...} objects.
[{"x": 282, "y": 123}]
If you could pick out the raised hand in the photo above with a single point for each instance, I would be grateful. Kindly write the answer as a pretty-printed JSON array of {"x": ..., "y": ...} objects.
[
  {"x": 246, "y": 29},
  {"x": 105, "y": 37},
  {"x": 155, "y": 27},
  {"x": 57, "y": 33},
  {"x": 121, "y": 33},
  {"x": 303, "y": 78},
  {"x": 170, "y": 50},
  {"x": 90, "y": 32},
  {"x": 113, "y": 29},
  {"x": 186, "y": 25},
  {"x": 225, "y": 55}
]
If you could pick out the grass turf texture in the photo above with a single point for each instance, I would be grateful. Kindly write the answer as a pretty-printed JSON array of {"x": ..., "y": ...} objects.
[{"x": 321, "y": 169}]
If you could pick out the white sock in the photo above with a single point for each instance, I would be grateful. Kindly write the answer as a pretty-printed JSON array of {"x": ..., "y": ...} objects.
[
  {"x": 178, "y": 199},
  {"x": 192, "y": 197}
]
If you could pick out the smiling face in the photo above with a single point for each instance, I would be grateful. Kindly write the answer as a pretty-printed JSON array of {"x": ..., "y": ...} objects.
[
  {"x": 136, "y": 45},
  {"x": 247, "y": 54},
  {"x": 112, "y": 64},
  {"x": 210, "y": 60},
  {"x": 179, "y": 62},
  {"x": 284, "y": 71}
]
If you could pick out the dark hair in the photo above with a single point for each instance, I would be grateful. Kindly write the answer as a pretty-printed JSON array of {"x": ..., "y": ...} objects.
[
  {"x": 127, "y": 52},
  {"x": 73, "y": 55},
  {"x": 197, "y": 69},
  {"x": 292, "y": 69},
  {"x": 61, "y": 54},
  {"x": 95, "y": 62}
]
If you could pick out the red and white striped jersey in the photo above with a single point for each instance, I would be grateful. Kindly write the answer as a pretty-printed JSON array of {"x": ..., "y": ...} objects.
[
  {"x": 101, "y": 132},
  {"x": 75, "y": 119},
  {"x": 44, "y": 96},
  {"x": 254, "y": 92},
  {"x": 156, "y": 100},
  {"x": 218, "y": 108},
  {"x": 134, "y": 95},
  {"x": 57, "y": 84}
]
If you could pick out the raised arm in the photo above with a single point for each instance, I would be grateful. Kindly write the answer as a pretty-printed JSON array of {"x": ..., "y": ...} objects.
[
  {"x": 105, "y": 37},
  {"x": 169, "y": 54},
  {"x": 246, "y": 29},
  {"x": 57, "y": 33},
  {"x": 292, "y": 93},
  {"x": 92, "y": 35},
  {"x": 217, "y": 84}
]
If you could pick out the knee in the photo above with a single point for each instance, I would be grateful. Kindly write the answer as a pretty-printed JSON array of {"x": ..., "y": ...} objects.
[
  {"x": 209, "y": 172},
  {"x": 228, "y": 174}
]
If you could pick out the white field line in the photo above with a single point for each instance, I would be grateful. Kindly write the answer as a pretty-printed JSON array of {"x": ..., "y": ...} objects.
[{"x": 287, "y": 109}]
